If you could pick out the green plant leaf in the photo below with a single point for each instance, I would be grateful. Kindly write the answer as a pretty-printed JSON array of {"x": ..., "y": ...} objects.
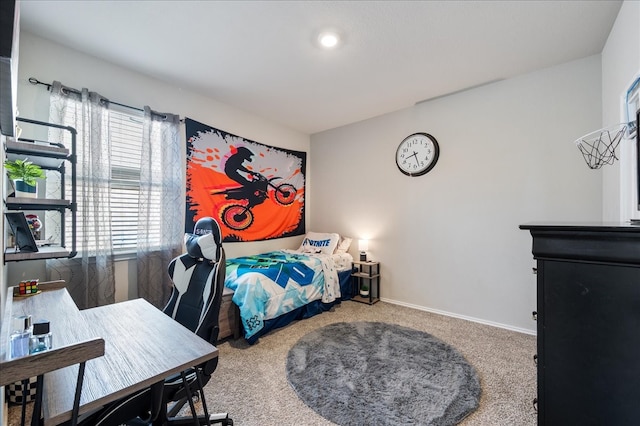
[{"x": 24, "y": 170}]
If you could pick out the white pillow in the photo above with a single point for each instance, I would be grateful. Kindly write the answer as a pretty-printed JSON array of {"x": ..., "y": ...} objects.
[
  {"x": 318, "y": 242},
  {"x": 343, "y": 245}
]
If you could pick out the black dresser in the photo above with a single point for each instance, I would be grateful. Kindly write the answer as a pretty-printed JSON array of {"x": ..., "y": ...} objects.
[{"x": 588, "y": 323}]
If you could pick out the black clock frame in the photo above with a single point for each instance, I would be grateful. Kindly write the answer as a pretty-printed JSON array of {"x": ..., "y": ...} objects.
[{"x": 436, "y": 155}]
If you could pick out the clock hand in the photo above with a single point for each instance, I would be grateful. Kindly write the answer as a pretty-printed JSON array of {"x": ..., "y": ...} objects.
[{"x": 415, "y": 155}]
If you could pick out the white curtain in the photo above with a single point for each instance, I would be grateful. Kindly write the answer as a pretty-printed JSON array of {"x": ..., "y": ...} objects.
[
  {"x": 161, "y": 214},
  {"x": 90, "y": 275}
]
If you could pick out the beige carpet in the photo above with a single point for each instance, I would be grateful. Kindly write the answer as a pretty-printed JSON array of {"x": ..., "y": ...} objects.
[{"x": 250, "y": 382}]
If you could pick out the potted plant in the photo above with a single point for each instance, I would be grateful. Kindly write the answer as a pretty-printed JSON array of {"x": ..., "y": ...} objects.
[
  {"x": 24, "y": 174},
  {"x": 364, "y": 290}
]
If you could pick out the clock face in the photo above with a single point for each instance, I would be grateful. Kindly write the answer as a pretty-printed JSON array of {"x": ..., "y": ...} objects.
[{"x": 417, "y": 154}]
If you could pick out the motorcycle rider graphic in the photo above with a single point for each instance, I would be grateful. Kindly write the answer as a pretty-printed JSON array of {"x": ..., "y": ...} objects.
[
  {"x": 234, "y": 166},
  {"x": 254, "y": 190}
]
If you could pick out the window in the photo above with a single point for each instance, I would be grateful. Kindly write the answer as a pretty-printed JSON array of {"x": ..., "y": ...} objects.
[
  {"x": 129, "y": 175},
  {"x": 126, "y": 139},
  {"x": 125, "y": 129}
]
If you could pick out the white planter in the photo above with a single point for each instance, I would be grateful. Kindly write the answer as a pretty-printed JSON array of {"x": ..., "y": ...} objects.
[
  {"x": 364, "y": 293},
  {"x": 25, "y": 191}
]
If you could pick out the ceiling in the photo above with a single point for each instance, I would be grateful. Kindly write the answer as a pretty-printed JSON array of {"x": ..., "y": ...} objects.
[{"x": 262, "y": 57}]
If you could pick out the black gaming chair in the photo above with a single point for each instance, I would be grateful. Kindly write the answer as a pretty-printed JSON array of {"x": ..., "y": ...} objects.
[{"x": 198, "y": 281}]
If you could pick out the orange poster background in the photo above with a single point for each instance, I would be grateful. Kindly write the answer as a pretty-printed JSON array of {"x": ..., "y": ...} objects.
[{"x": 207, "y": 152}]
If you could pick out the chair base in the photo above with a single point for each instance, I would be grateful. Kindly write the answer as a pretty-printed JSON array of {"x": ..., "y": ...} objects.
[{"x": 218, "y": 418}]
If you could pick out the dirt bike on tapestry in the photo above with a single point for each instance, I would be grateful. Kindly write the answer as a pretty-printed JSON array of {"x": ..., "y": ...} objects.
[{"x": 239, "y": 216}]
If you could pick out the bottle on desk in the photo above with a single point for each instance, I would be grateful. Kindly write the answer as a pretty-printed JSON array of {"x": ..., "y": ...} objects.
[
  {"x": 41, "y": 340},
  {"x": 19, "y": 339}
]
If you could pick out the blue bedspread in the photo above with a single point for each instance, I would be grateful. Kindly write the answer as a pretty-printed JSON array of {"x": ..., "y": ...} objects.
[{"x": 271, "y": 284}]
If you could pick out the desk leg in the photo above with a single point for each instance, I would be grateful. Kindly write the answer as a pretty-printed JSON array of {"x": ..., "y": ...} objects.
[
  {"x": 195, "y": 419},
  {"x": 158, "y": 405},
  {"x": 36, "y": 418},
  {"x": 25, "y": 383},
  {"x": 76, "y": 399},
  {"x": 204, "y": 400},
  {"x": 194, "y": 415},
  {"x": 37, "y": 407}
]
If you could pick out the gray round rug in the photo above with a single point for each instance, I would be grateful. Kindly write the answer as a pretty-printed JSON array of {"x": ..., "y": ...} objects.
[{"x": 373, "y": 373}]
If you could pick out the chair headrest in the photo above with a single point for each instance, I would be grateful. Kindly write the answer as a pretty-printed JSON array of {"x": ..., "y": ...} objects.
[{"x": 206, "y": 240}]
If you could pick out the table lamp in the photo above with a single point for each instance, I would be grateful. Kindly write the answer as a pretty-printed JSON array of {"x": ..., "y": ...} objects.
[{"x": 363, "y": 246}]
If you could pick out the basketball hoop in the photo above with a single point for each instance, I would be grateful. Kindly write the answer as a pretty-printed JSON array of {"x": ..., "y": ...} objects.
[{"x": 599, "y": 148}]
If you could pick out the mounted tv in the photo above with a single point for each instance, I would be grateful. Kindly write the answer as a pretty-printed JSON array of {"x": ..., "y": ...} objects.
[
  {"x": 631, "y": 106},
  {"x": 21, "y": 231}
]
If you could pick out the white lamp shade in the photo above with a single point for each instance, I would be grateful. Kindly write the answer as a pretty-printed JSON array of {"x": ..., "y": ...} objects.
[{"x": 363, "y": 245}]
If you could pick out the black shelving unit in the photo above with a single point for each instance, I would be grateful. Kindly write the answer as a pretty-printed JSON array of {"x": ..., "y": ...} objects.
[
  {"x": 49, "y": 156},
  {"x": 366, "y": 272}
]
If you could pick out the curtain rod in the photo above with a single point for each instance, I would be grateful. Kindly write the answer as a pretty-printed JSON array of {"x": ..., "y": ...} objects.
[{"x": 35, "y": 81}]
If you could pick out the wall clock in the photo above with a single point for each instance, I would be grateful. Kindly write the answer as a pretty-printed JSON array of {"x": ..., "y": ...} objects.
[{"x": 417, "y": 154}]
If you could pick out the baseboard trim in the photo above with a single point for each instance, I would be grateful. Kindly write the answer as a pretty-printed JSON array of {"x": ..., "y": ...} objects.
[{"x": 464, "y": 317}]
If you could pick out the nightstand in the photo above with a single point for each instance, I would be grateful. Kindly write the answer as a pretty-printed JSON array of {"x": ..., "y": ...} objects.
[{"x": 365, "y": 274}]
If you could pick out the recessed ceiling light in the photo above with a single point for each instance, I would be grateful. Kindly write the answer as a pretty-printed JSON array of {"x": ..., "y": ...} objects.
[{"x": 328, "y": 40}]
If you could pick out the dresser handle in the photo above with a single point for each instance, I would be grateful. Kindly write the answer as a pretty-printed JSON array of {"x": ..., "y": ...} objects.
[
  {"x": 534, "y": 315},
  {"x": 535, "y": 271},
  {"x": 535, "y": 404},
  {"x": 535, "y": 359}
]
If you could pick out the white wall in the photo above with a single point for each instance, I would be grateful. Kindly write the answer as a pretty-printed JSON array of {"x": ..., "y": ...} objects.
[
  {"x": 620, "y": 66},
  {"x": 47, "y": 61},
  {"x": 449, "y": 241}
]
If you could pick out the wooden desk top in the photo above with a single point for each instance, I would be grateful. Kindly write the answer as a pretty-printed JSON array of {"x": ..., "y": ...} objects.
[
  {"x": 142, "y": 346},
  {"x": 73, "y": 342}
]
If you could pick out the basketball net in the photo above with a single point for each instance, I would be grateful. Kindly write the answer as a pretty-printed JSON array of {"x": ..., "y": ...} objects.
[{"x": 599, "y": 148}]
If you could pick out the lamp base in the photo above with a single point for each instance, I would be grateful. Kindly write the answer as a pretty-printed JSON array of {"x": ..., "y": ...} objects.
[{"x": 363, "y": 256}]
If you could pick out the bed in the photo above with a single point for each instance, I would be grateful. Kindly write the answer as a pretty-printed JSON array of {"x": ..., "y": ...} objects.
[{"x": 275, "y": 288}]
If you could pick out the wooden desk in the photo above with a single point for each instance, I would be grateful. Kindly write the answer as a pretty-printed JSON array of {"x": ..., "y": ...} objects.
[
  {"x": 142, "y": 347},
  {"x": 72, "y": 341}
]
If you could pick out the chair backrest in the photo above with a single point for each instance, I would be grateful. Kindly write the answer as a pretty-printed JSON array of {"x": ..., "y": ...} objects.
[{"x": 198, "y": 281}]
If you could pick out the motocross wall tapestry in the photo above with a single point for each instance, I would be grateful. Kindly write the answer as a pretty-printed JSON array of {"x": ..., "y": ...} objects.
[{"x": 256, "y": 191}]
